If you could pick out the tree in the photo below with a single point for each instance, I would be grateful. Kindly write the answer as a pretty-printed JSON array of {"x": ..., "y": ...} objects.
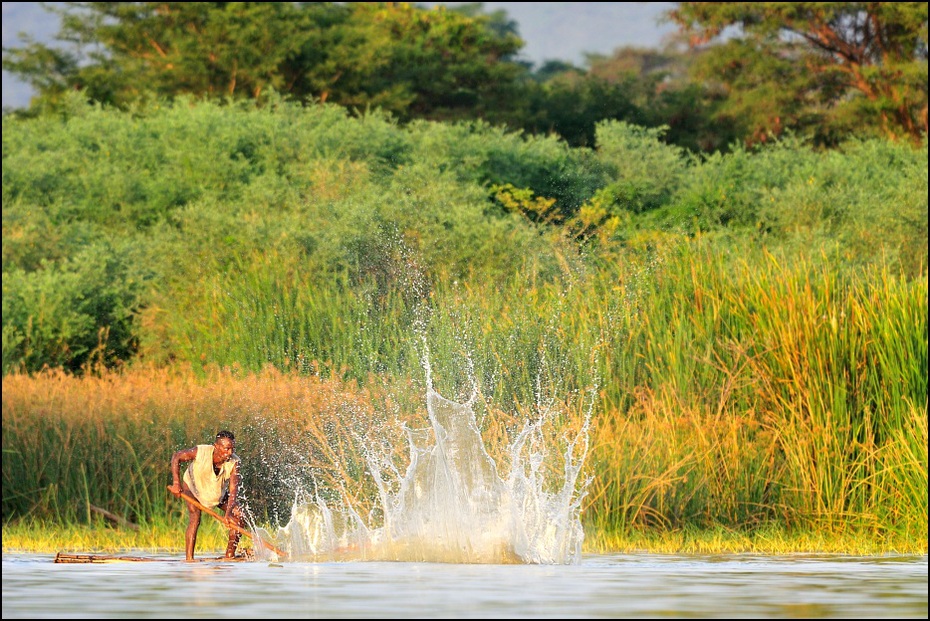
[
  {"x": 411, "y": 61},
  {"x": 434, "y": 64},
  {"x": 657, "y": 82},
  {"x": 118, "y": 52},
  {"x": 570, "y": 104},
  {"x": 822, "y": 68},
  {"x": 642, "y": 86}
]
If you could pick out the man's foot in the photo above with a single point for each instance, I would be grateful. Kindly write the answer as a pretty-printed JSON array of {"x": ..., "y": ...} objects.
[{"x": 245, "y": 555}]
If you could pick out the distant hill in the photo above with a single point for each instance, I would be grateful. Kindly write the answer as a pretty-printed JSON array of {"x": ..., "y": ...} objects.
[{"x": 551, "y": 30}]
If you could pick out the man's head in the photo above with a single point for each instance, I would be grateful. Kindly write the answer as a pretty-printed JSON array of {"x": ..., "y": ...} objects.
[
  {"x": 225, "y": 445},
  {"x": 226, "y": 434}
]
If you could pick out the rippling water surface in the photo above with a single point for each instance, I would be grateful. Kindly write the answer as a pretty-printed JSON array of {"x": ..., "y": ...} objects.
[{"x": 638, "y": 585}]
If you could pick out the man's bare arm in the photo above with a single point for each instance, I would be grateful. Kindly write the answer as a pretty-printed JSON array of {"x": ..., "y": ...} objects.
[
  {"x": 182, "y": 456},
  {"x": 234, "y": 479}
]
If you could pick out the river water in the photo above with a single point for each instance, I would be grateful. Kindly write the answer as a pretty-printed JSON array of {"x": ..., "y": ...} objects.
[
  {"x": 600, "y": 585},
  {"x": 461, "y": 539}
]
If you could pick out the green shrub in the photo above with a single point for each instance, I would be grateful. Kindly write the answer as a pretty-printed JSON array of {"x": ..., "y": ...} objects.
[{"x": 69, "y": 313}]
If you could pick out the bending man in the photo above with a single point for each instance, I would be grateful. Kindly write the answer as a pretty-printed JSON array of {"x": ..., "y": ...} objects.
[{"x": 213, "y": 479}]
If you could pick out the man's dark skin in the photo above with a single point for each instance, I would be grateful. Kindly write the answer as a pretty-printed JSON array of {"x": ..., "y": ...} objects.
[{"x": 223, "y": 449}]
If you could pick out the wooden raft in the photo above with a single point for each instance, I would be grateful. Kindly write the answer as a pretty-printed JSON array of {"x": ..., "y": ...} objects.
[{"x": 63, "y": 557}]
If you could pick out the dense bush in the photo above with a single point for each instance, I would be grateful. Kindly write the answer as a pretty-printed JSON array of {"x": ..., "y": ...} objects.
[
  {"x": 189, "y": 194},
  {"x": 69, "y": 313}
]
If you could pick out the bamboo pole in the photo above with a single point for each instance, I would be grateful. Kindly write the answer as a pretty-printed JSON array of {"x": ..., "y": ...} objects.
[{"x": 226, "y": 523}]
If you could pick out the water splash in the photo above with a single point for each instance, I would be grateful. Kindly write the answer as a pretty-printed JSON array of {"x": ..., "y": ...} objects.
[{"x": 451, "y": 504}]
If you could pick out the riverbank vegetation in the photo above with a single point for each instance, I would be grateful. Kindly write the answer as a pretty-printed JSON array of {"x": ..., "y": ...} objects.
[
  {"x": 746, "y": 328},
  {"x": 167, "y": 537}
]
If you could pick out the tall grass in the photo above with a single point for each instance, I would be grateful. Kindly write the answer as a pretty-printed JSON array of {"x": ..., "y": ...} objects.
[
  {"x": 118, "y": 432},
  {"x": 734, "y": 392},
  {"x": 771, "y": 390}
]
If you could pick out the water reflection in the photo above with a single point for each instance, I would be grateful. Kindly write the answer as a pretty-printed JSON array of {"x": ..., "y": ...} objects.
[{"x": 598, "y": 586}]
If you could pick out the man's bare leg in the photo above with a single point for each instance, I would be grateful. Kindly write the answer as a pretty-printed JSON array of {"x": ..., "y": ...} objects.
[
  {"x": 234, "y": 535},
  {"x": 193, "y": 524}
]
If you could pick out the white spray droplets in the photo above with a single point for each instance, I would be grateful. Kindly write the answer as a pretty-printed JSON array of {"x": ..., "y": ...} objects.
[{"x": 450, "y": 503}]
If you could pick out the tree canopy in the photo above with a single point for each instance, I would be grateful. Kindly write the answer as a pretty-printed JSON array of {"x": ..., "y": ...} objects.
[
  {"x": 824, "y": 68},
  {"x": 397, "y": 56},
  {"x": 826, "y": 71}
]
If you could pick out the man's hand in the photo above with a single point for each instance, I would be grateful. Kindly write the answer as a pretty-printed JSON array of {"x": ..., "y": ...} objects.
[{"x": 175, "y": 488}]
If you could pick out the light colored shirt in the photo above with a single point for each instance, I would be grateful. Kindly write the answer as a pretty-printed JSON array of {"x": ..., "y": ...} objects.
[{"x": 207, "y": 486}]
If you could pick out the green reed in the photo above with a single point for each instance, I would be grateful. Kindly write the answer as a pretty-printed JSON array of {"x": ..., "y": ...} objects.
[
  {"x": 728, "y": 391},
  {"x": 825, "y": 369},
  {"x": 818, "y": 364}
]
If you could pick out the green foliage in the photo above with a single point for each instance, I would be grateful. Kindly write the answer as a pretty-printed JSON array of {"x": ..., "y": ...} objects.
[
  {"x": 189, "y": 190},
  {"x": 754, "y": 322},
  {"x": 131, "y": 51},
  {"x": 402, "y": 58},
  {"x": 730, "y": 190},
  {"x": 827, "y": 71},
  {"x": 644, "y": 171},
  {"x": 419, "y": 63},
  {"x": 824, "y": 69},
  {"x": 479, "y": 153},
  {"x": 71, "y": 313},
  {"x": 570, "y": 105},
  {"x": 870, "y": 199}
]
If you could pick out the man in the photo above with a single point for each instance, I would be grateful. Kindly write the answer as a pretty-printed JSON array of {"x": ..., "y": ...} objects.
[{"x": 213, "y": 479}]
